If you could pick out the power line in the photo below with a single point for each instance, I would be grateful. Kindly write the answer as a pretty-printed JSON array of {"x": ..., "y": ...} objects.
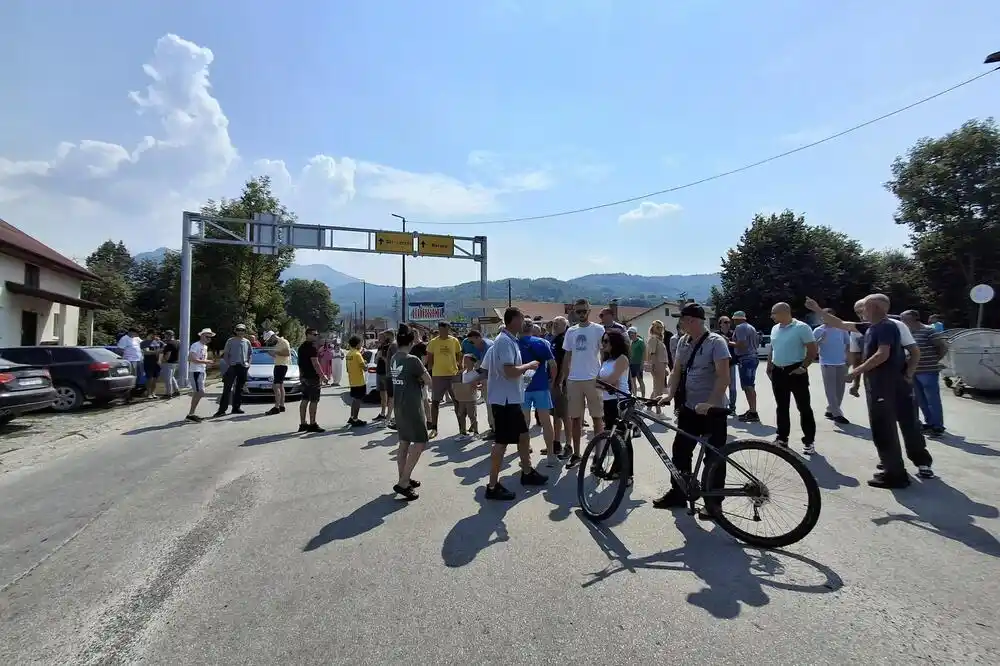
[{"x": 724, "y": 174}]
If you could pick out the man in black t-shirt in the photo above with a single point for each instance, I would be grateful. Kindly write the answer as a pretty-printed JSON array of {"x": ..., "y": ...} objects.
[
  {"x": 560, "y": 423},
  {"x": 169, "y": 359},
  {"x": 311, "y": 378}
]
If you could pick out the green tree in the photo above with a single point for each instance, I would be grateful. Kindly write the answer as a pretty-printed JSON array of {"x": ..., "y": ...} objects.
[
  {"x": 949, "y": 198},
  {"x": 309, "y": 302},
  {"x": 782, "y": 258},
  {"x": 230, "y": 283},
  {"x": 897, "y": 275},
  {"x": 112, "y": 263}
]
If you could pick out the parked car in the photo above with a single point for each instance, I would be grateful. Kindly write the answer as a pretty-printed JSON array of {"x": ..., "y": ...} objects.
[
  {"x": 371, "y": 378},
  {"x": 78, "y": 373},
  {"x": 23, "y": 389},
  {"x": 140, "y": 380},
  {"x": 260, "y": 376},
  {"x": 764, "y": 350}
]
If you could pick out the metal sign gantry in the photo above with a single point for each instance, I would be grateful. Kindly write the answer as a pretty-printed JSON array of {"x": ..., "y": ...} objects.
[{"x": 267, "y": 234}]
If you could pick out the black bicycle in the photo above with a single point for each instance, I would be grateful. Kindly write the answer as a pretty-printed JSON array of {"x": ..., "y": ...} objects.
[{"x": 608, "y": 460}]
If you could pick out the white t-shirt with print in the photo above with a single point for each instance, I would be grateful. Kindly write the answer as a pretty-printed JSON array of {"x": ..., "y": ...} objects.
[
  {"x": 584, "y": 342},
  {"x": 905, "y": 337},
  {"x": 130, "y": 348},
  {"x": 200, "y": 352}
]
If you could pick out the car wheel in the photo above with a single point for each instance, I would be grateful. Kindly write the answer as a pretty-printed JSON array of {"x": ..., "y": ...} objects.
[{"x": 68, "y": 398}]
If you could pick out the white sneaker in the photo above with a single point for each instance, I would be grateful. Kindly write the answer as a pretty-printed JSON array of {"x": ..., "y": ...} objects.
[{"x": 809, "y": 449}]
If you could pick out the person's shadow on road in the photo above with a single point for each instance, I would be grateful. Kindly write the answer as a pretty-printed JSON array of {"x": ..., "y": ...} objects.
[
  {"x": 156, "y": 428},
  {"x": 473, "y": 534},
  {"x": 827, "y": 475},
  {"x": 946, "y": 511},
  {"x": 754, "y": 429},
  {"x": 270, "y": 439},
  {"x": 961, "y": 443},
  {"x": 363, "y": 519}
]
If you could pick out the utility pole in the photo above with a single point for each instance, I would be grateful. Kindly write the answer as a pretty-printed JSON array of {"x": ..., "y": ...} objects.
[
  {"x": 508, "y": 294},
  {"x": 403, "y": 312},
  {"x": 364, "y": 305},
  {"x": 354, "y": 319}
]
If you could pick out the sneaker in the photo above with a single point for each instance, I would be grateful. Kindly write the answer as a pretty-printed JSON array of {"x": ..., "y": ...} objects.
[
  {"x": 218, "y": 414},
  {"x": 925, "y": 472},
  {"x": 574, "y": 460},
  {"x": 350, "y": 421},
  {"x": 828, "y": 415},
  {"x": 358, "y": 423},
  {"x": 237, "y": 411},
  {"x": 489, "y": 434},
  {"x": 673, "y": 499},
  {"x": 194, "y": 417},
  {"x": 808, "y": 449},
  {"x": 314, "y": 427},
  {"x": 273, "y": 411},
  {"x": 498, "y": 492},
  {"x": 937, "y": 432},
  {"x": 303, "y": 427},
  {"x": 432, "y": 433},
  {"x": 408, "y": 493},
  {"x": 281, "y": 409},
  {"x": 925, "y": 427},
  {"x": 748, "y": 417},
  {"x": 842, "y": 420},
  {"x": 881, "y": 480},
  {"x": 781, "y": 442},
  {"x": 565, "y": 453},
  {"x": 380, "y": 417},
  {"x": 557, "y": 448},
  {"x": 533, "y": 478}
]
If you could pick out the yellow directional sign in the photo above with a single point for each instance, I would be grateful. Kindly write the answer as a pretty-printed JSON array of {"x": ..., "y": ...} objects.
[
  {"x": 394, "y": 242},
  {"x": 435, "y": 246}
]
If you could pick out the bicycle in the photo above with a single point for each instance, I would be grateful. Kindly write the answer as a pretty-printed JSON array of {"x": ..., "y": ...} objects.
[{"x": 617, "y": 441}]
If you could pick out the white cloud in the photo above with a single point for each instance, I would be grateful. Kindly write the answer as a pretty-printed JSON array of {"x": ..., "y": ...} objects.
[
  {"x": 648, "y": 210},
  {"x": 136, "y": 192}
]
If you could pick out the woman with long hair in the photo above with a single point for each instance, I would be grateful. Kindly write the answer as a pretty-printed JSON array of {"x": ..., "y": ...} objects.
[
  {"x": 656, "y": 353},
  {"x": 615, "y": 371},
  {"x": 409, "y": 377}
]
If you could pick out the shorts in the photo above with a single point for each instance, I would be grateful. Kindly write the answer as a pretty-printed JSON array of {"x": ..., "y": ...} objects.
[
  {"x": 359, "y": 392},
  {"x": 508, "y": 423},
  {"x": 280, "y": 371},
  {"x": 310, "y": 389},
  {"x": 635, "y": 370},
  {"x": 559, "y": 404},
  {"x": 610, "y": 412},
  {"x": 748, "y": 370},
  {"x": 441, "y": 386},
  {"x": 384, "y": 384},
  {"x": 198, "y": 382},
  {"x": 580, "y": 391},
  {"x": 537, "y": 400},
  {"x": 152, "y": 369}
]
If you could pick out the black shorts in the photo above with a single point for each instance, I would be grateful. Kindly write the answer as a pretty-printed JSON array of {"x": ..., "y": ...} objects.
[
  {"x": 359, "y": 392},
  {"x": 635, "y": 370},
  {"x": 508, "y": 423},
  {"x": 310, "y": 389},
  {"x": 384, "y": 383},
  {"x": 152, "y": 369},
  {"x": 279, "y": 373}
]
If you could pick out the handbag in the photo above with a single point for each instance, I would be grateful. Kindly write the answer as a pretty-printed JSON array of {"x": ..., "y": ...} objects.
[{"x": 680, "y": 396}]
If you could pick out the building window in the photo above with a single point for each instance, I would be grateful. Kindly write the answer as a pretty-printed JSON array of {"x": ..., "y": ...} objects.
[
  {"x": 57, "y": 323},
  {"x": 32, "y": 276}
]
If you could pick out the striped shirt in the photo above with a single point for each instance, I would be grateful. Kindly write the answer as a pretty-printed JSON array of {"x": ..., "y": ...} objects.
[{"x": 930, "y": 358}]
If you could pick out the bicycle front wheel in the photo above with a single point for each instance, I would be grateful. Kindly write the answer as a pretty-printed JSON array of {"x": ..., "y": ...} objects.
[
  {"x": 603, "y": 476},
  {"x": 780, "y": 486}
]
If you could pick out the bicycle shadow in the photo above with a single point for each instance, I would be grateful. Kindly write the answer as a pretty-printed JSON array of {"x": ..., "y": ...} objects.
[
  {"x": 944, "y": 510},
  {"x": 474, "y": 534},
  {"x": 732, "y": 575}
]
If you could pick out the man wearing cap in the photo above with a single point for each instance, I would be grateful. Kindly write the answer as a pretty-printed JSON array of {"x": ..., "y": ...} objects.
[
  {"x": 199, "y": 363},
  {"x": 699, "y": 383},
  {"x": 746, "y": 341},
  {"x": 636, "y": 361},
  {"x": 236, "y": 356}
]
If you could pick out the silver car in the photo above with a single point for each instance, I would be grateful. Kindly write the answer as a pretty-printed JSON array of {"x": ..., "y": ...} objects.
[{"x": 260, "y": 377}]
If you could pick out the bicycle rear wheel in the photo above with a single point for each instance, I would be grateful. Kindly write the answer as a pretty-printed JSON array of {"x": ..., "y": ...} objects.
[
  {"x": 603, "y": 477},
  {"x": 780, "y": 482}
]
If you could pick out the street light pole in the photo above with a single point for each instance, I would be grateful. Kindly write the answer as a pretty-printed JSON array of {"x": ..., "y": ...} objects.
[
  {"x": 354, "y": 319},
  {"x": 402, "y": 311},
  {"x": 364, "y": 305}
]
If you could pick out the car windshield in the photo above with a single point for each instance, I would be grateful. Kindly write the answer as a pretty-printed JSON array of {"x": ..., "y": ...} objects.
[{"x": 261, "y": 357}]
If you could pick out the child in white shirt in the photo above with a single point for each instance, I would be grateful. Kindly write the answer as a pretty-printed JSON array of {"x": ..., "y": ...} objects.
[{"x": 465, "y": 396}]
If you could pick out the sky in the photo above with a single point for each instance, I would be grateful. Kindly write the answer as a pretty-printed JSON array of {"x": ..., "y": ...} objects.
[{"x": 119, "y": 115}]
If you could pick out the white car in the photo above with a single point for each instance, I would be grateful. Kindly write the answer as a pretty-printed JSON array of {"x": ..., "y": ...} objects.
[
  {"x": 260, "y": 376},
  {"x": 764, "y": 350},
  {"x": 371, "y": 377}
]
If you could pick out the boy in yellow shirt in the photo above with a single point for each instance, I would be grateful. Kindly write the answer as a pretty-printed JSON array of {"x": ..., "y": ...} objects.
[{"x": 357, "y": 369}]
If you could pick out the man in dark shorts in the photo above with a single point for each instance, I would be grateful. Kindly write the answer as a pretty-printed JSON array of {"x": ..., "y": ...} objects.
[
  {"x": 506, "y": 398},
  {"x": 409, "y": 377},
  {"x": 311, "y": 379},
  {"x": 560, "y": 424}
]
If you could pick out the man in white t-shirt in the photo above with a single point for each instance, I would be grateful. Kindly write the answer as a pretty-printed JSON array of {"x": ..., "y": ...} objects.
[
  {"x": 579, "y": 372},
  {"x": 198, "y": 362},
  {"x": 131, "y": 352}
]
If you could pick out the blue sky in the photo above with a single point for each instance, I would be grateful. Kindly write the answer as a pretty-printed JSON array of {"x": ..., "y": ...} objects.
[{"x": 451, "y": 111}]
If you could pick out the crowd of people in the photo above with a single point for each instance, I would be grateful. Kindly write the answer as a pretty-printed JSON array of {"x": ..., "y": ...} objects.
[{"x": 552, "y": 375}]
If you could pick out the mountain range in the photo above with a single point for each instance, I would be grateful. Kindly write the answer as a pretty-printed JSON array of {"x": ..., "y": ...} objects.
[{"x": 381, "y": 300}]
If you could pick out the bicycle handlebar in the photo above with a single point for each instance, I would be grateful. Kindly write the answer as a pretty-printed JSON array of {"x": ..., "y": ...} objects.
[{"x": 648, "y": 401}]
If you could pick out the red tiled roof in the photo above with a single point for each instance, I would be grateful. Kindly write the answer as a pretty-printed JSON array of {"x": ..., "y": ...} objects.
[{"x": 12, "y": 237}]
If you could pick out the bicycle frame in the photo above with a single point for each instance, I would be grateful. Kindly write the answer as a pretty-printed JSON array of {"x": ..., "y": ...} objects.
[{"x": 630, "y": 414}]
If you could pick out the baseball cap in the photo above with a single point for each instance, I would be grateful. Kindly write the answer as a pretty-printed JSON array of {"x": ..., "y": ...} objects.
[
  {"x": 693, "y": 310},
  {"x": 633, "y": 329},
  {"x": 241, "y": 327},
  {"x": 739, "y": 314}
]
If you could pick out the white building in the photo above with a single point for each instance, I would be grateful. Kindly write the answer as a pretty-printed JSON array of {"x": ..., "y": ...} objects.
[
  {"x": 40, "y": 293},
  {"x": 668, "y": 312}
]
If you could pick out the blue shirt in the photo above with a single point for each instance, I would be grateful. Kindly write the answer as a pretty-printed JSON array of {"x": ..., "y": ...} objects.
[
  {"x": 469, "y": 348},
  {"x": 788, "y": 343},
  {"x": 536, "y": 349},
  {"x": 938, "y": 327},
  {"x": 832, "y": 345},
  {"x": 500, "y": 389}
]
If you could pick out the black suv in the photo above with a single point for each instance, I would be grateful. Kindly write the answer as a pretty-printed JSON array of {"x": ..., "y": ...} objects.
[{"x": 78, "y": 373}]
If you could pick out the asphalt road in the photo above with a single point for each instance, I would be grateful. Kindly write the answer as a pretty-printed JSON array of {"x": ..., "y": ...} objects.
[{"x": 240, "y": 542}]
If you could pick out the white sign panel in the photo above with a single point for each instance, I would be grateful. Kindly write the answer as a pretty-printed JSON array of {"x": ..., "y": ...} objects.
[
  {"x": 981, "y": 293},
  {"x": 425, "y": 311}
]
